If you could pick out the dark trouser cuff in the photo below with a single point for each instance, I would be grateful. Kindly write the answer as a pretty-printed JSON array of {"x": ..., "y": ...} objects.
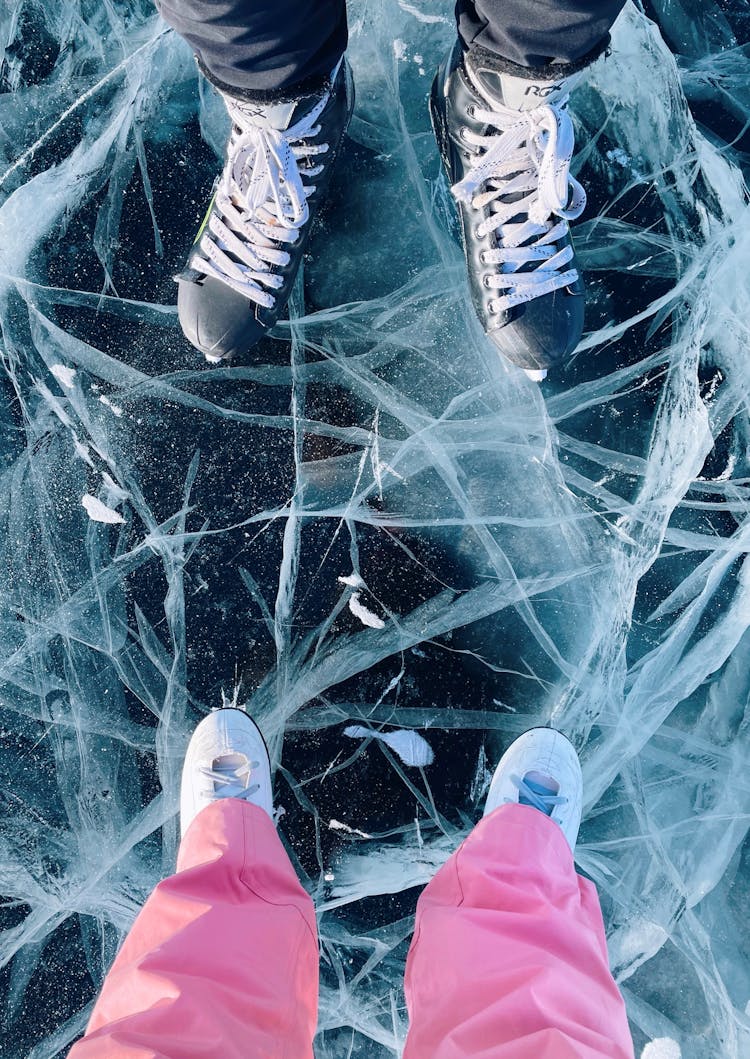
[
  {"x": 549, "y": 72},
  {"x": 309, "y": 86}
]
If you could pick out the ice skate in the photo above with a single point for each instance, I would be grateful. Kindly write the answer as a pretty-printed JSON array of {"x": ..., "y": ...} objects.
[
  {"x": 541, "y": 769},
  {"x": 506, "y": 144},
  {"x": 243, "y": 263},
  {"x": 226, "y": 758}
]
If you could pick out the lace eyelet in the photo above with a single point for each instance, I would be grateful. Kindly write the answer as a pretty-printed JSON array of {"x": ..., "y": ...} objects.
[{"x": 471, "y": 110}]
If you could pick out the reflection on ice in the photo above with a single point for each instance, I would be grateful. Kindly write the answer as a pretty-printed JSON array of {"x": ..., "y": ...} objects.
[{"x": 376, "y": 525}]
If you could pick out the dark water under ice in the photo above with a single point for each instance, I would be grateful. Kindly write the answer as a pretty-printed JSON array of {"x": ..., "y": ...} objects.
[{"x": 574, "y": 553}]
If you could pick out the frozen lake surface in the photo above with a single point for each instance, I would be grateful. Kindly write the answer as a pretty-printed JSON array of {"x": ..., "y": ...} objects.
[{"x": 375, "y": 524}]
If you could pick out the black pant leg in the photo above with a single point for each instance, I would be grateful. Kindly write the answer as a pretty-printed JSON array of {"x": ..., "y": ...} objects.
[
  {"x": 264, "y": 50},
  {"x": 528, "y": 36}
]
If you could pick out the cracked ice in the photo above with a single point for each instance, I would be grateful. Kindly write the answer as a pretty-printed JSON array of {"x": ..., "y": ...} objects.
[{"x": 574, "y": 554}]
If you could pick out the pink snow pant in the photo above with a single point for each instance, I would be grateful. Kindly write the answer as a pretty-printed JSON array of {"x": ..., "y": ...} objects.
[{"x": 508, "y": 961}]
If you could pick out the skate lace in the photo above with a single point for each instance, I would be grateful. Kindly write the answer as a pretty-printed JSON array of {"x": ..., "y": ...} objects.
[
  {"x": 545, "y": 802},
  {"x": 524, "y": 169},
  {"x": 231, "y": 781},
  {"x": 260, "y": 202}
]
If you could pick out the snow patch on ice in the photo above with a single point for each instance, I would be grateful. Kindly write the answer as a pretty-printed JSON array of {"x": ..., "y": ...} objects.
[
  {"x": 113, "y": 407},
  {"x": 64, "y": 375},
  {"x": 619, "y": 156},
  {"x": 411, "y": 747},
  {"x": 662, "y": 1048},
  {"x": 623, "y": 159},
  {"x": 337, "y": 825},
  {"x": 359, "y": 610},
  {"x": 353, "y": 580},
  {"x": 99, "y": 512}
]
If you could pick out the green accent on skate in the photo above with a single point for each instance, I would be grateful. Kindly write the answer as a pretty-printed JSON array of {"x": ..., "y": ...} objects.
[{"x": 204, "y": 222}]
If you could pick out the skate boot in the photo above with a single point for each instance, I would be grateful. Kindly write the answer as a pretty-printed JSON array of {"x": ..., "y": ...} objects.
[
  {"x": 226, "y": 758},
  {"x": 541, "y": 769},
  {"x": 506, "y": 144},
  {"x": 243, "y": 263}
]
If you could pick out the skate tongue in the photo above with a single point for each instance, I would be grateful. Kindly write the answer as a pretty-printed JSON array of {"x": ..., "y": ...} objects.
[
  {"x": 230, "y": 772},
  {"x": 538, "y": 789},
  {"x": 281, "y": 116},
  {"x": 277, "y": 116},
  {"x": 516, "y": 93}
]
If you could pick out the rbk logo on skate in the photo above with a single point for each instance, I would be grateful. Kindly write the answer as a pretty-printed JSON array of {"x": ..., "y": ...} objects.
[{"x": 542, "y": 91}]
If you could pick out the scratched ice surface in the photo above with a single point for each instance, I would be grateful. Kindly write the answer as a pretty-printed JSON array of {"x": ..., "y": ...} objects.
[{"x": 374, "y": 525}]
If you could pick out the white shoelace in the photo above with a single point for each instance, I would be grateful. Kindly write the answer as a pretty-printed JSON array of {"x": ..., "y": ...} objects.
[
  {"x": 529, "y": 159},
  {"x": 234, "y": 778},
  {"x": 260, "y": 201}
]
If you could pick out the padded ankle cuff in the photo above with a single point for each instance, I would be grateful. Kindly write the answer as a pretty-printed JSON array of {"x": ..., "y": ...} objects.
[
  {"x": 310, "y": 86},
  {"x": 550, "y": 72}
]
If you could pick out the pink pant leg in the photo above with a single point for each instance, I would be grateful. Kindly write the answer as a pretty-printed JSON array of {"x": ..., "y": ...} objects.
[
  {"x": 222, "y": 961},
  {"x": 509, "y": 958}
]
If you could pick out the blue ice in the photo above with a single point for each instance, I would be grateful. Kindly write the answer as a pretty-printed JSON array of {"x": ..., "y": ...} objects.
[{"x": 375, "y": 523}]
